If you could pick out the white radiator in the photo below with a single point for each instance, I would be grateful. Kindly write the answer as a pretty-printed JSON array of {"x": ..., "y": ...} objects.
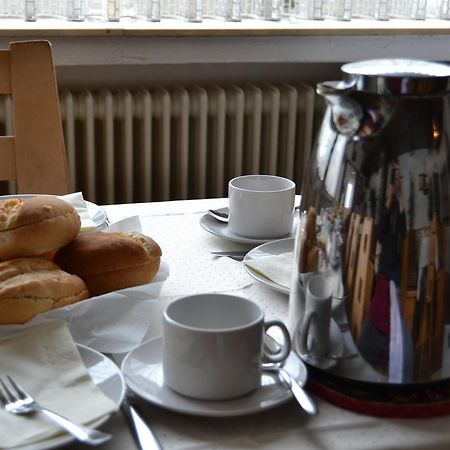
[{"x": 184, "y": 142}]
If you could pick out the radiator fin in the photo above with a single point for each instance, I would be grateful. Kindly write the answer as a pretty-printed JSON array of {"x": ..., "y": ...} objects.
[{"x": 182, "y": 142}]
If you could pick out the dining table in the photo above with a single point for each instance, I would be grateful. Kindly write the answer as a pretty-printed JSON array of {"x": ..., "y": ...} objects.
[{"x": 186, "y": 250}]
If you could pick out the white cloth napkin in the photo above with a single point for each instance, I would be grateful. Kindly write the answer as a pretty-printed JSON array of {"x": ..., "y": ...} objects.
[
  {"x": 277, "y": 268},
  {"x": 77, "y": 201},
  {"x": 45, "y": 362}
]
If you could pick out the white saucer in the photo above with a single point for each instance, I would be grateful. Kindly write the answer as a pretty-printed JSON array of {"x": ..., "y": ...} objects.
[
  {"x": 272, "y": 248},
  {"x": 106, "y": 376},
  {"x": 336, "y": 349},
  {"x": 96, "y": 213},
  {"x": 218, "y": 228},
  {"x": 142, "y": 369}
]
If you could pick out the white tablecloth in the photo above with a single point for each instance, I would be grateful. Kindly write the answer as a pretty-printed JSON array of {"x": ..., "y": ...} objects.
[{"x": 186, "y": 246}]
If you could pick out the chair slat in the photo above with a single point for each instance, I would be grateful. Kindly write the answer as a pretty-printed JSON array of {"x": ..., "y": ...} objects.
[
  {"x": 7, "y": 158},
  {"x": 5, "y": 72},
  {"x": 40, "y": 152}
]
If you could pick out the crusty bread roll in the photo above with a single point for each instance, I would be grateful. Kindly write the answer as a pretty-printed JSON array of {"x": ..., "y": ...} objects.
[
  {"x": 111, "y": 261},
  {"x": 36, "y": 225},
  {"x": 29, "y": 286}
]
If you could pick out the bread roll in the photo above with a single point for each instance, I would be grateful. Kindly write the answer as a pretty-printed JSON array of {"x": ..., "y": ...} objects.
[
  {"x": 111, "y": 261},
  {"x": 36, "y": 225},
  {"x": 29, "y": 286}
]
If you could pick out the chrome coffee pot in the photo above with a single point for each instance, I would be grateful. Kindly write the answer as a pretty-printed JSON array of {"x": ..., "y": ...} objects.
[{"x": 375, "y": 220}]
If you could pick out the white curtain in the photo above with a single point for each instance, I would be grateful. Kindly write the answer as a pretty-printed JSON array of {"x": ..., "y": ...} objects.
[{"x": 231, "y": 10}]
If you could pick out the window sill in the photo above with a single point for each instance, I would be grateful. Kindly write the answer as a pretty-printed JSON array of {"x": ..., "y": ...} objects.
[
  {"x": 247, "y": 27},
  {"x": 176, "y": 42}
]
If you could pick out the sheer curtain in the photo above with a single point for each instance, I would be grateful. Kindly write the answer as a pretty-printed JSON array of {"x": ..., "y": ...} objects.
[{"x": 231, "y": 10}]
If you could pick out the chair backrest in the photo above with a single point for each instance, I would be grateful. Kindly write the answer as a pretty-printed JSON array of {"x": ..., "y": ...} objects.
[{"x": 35, "y": 155}]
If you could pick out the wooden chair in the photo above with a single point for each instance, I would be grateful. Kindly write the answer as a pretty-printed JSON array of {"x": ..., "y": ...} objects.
[{"x": 35, "y": 155}]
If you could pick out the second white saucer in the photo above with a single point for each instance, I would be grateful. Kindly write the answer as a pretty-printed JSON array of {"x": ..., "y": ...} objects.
[{"x": 213, "y": 226}]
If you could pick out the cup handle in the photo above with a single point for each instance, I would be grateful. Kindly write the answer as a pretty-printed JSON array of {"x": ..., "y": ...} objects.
[
  {"x": 304, "y": 331},
  {"x": 285, "y": 349}
]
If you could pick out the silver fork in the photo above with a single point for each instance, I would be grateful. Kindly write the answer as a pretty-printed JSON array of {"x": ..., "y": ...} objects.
[{"x": 16, "y": 401}]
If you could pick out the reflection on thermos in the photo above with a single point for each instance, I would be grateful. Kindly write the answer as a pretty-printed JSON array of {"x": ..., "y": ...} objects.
[{"x": 374, "y": 218}]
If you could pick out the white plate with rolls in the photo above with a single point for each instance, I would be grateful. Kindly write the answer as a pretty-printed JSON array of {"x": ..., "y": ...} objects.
[{"x": 95, "y": 212}]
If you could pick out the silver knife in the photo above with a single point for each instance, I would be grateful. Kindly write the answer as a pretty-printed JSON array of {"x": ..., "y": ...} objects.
[
  {"x": 143, "y": 435},
  {"x": 238, "y": 255}
]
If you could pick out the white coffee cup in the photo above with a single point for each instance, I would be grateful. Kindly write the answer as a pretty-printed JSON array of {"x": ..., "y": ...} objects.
[
  {"x": 213, "y": 346},
  {"x": 261, "y": 206},
  {"x": 314, "y": 331}
]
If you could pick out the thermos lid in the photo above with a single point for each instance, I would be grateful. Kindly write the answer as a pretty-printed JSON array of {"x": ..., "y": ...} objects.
[{"x": 398, "y": 76}]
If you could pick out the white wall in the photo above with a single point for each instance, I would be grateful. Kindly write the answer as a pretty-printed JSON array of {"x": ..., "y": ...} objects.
[{"x": 103, "y": 60}]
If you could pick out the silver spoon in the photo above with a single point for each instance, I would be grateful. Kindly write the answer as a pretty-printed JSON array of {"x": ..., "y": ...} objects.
[
  {"x": 305, "y": 401},
  {"x": 219, "y": 214}
]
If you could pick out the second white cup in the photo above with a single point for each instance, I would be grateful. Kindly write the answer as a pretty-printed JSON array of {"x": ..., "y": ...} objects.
[
  {"x": 213, "y": 346},
  {"x": 261, "y": 206}
]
